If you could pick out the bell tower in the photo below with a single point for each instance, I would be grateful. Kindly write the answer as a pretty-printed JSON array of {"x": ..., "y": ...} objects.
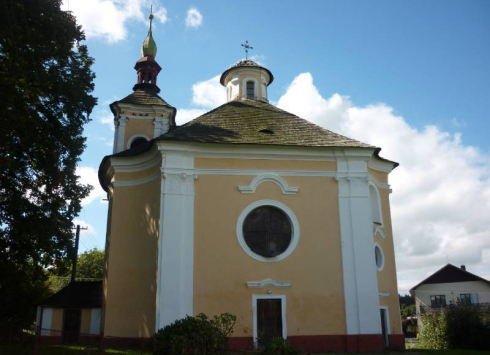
[{"x": 142, "y": 115}]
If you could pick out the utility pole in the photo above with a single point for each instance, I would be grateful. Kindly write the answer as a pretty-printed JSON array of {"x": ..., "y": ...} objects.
[{"x": 75, "y": 255}]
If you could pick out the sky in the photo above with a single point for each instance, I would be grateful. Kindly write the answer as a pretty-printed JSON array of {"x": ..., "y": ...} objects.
[{"x": 411, "y": 77}]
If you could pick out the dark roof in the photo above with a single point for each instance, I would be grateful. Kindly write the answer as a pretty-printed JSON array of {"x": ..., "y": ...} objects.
[
  {"x": 76, "y": 295},
  {"x": 245, "y": 63},
  {"x": 254, "y": 122},
  {"x": 143, "y": 97},
  {"x": 450, "y": 274}
]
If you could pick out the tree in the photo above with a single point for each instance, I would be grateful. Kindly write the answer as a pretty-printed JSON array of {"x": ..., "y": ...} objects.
[
  {"x": 91, "y": 264},
  {"x": 45, "y": 86}
]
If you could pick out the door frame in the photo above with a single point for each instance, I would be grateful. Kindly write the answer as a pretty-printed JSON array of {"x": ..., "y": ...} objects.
[
  {"x": 63, "y": 331},
  {"x": 283, "y": 313},
  {"x": 387, "y": 325}
]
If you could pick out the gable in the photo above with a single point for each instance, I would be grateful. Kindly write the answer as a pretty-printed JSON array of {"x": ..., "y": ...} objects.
[{"x": 450, "y": 274}]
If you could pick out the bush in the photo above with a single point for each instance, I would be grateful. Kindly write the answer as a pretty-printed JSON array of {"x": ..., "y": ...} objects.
[
  {"x": 195, "y": 335},
  {"x": 459, "y": 326},
  {"x": 280, "y": 346}
]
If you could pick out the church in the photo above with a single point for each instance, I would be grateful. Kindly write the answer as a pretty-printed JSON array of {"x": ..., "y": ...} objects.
[{"x": 250, "y": 210}]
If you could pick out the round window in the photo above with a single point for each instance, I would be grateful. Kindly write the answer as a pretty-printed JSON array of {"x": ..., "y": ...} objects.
[
  {"x": 267, "y": 231},
  {"x": 379, "y": 257}
]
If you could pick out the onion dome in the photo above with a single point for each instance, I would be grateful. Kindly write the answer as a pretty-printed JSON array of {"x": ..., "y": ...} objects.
[{"x": 149, "y": 47}]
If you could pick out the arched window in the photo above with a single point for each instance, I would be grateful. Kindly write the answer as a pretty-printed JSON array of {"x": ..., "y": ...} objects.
[
  {"x": 138, "y": 141},
  {"x": 375, "y": 205},
  {"x": 250, "y": 90}
]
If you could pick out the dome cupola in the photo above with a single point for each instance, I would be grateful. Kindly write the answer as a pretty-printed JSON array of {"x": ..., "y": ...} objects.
[{"x": 246, "y": 80}]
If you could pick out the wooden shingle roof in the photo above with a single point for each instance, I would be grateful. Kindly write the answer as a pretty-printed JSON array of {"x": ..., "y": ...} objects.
[
  {"x": 80, "y": 294},
  {"x": 255, "y": 122},
  {"x": 143, "y": 97}
]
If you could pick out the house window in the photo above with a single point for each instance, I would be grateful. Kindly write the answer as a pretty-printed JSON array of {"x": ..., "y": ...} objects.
[
  {"x": 468, "y": 298},
  {"x": 250, "y": 90},
  {"x": 437, "y": 301},
  {"x": 267, "y": 231}
]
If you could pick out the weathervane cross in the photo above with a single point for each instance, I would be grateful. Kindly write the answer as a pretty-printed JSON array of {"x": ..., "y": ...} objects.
[{"x": 247, "y": 47}]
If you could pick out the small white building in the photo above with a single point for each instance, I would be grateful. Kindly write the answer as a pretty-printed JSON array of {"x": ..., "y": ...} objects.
[{"x": 450, "y": 284}]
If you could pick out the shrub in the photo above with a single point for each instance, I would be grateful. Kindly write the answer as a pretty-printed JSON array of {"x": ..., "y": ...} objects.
[
  {"x": 195, "y": 335},
  {"x": 459, "y": 326},
  {"x": 433, "y": 334},
  {"x": 280, "y": 346}
]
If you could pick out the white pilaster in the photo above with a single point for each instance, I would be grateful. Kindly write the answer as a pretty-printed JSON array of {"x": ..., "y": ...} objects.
[
  {"x": 121, "y": 130},
  {"x": 176, "y": 240},
  {"x": 359, "y": 271}
]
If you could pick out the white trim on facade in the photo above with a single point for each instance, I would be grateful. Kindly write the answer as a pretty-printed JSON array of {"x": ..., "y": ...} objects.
[
  {"x": 387, "y": 322},
  {"x": 175, "y": 275},
  {"x": 130, "y": 140},
  {"x": 283, "y": 311},
  {"x": 361, "y": 295},
  {"x": 294, "y": 227},
  {"x": 268, "y": 177},
  {"x": 380, "y": 165},
  {"x": 384, "y": 294},
  {"x": 144, "y": 180},
  {"x": 378, "y": 231},
  {"x": 379, "y": 184},
  {"x": 268, "y": 282},
  {"x": 375, "y": 201},
  {"x": 244, "y": 87},
  {"x": 95, "y": 318}
]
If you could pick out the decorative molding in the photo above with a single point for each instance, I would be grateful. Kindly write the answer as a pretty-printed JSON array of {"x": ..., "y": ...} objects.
[
  {"x": 377, "y": 183},
  {"x": 384, "y": 294},
  {"x": 377, "y": 206},
  {"x": 268, "y": 282},
  {"x": 378, "y": 231},
  {"x": 178, "y": 184},
  {"x": 144, "y": 180},
  {"x": 379, "y": 165},
  {"x": 137, "y": 163},
  {"x": 268, "y": 177},
  {"x": 276, "y": 173},
  {"x": 294, "y": 226}
]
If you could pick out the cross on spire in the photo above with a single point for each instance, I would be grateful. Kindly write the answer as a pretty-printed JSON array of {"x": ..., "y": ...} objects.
[
  {"x": 247, "y": 47},
  {"x": 151, "y": 16}
]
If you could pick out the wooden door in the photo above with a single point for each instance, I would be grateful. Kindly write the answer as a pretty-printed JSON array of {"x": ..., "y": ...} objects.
[
  {"x": 384, "y": 327},
  {"x": 71, "y": 325},
  {"x": 269, "y": 321}
]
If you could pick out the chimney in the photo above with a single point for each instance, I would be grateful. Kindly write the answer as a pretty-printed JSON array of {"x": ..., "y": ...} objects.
[{"x": 463, "y": 267}]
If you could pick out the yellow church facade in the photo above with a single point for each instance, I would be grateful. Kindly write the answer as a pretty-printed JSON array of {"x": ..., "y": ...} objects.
[{"x": 249, "y": 210}]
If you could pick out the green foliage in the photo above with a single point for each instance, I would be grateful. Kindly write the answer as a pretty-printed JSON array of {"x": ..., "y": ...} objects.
[
  {"x": 406, "y": 300},
  {"x": 280, "y": 346},
  {"x": 91, "y": 264},
  {"x": 459, "y": 326},
  {"x": 198, "y": 335},
  {"x": 45, "y": 86},
  {"x": 433, "y": 334}
]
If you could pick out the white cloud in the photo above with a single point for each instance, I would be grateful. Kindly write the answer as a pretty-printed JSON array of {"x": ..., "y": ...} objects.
[
  {"x": 185, "y": 115},
  {"x": 209, "y": 93},
  {"x": 441, "y": 190},
  {"x": 206, "y": 95},
  {"x": 107, "y": 119},
  {"x": 108, "y": 19},
  {"x": 194, "y": 18},
  {"x": 258, "y": 58},
  {"x": 90, "y": 228},
  {"x": 88, "y": 175}
]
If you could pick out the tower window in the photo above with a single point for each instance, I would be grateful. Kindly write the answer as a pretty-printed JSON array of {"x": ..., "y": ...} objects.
[
  {"x": 250, "y": 90},
  {"x": 138, "y": 141}
]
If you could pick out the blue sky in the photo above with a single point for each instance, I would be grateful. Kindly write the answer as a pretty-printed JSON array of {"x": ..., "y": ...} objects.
[{"x": 408, "y": 76}]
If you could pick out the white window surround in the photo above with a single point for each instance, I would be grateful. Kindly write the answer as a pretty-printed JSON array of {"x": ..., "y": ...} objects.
[
  {"x": 244, "y": 87},
  {"x": 375, "y": 201},
  {"x": 250, "y": 189},
  {"x": 378, "y": 247},
  {"x": 133, "y": 138},
  {"x": 283, "y": 311},
  {"x": 294, "y": 227},
  {"x": 387, "y": 318}
]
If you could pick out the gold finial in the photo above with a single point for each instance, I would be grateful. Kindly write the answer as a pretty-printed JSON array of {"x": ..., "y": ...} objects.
[{"x": 149, "y": 46}]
